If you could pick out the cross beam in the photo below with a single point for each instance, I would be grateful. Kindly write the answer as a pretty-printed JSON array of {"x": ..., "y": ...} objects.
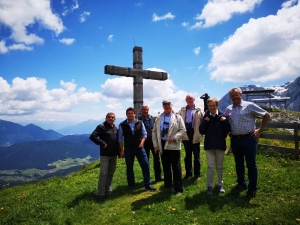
[{"x": 138, "y": 75}]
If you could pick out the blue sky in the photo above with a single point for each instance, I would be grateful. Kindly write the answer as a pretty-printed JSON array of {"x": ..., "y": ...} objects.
[{"x": 53, "y": 53}]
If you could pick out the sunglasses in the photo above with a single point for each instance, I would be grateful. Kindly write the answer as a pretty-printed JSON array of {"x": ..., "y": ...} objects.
[{"x": 110, "y": 117}]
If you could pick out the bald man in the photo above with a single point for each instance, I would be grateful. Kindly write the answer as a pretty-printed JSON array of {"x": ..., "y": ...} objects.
[{"x": 192, "y": 117}]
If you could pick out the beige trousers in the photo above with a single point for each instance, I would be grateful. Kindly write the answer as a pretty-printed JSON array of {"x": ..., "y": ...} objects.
[{"x": 214, "y": 159}]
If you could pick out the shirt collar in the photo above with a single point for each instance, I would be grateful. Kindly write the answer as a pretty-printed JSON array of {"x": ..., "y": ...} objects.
[
  {"x": 217, "y": 112},
  {"x": 187, "y": 107},
  {"x": 134, "y": 121},
  {"x": 241, "y": 104}
]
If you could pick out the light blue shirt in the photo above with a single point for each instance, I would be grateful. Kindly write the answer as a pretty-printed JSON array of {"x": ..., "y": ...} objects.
[
  {"x": 131, "y": 125},
  {"x": 189, "y": 116},
  {"x": 242, "y": 117}
]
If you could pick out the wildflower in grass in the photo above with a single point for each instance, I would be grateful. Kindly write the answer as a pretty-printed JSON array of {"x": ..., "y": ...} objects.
[
  {"x": 23, "y": 196},
  {"x": 298, "y": 219},
  {"x": 2, "y": 208}
]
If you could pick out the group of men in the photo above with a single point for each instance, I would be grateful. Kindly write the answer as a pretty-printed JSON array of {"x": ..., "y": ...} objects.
[{"x": 163, "y": 136}]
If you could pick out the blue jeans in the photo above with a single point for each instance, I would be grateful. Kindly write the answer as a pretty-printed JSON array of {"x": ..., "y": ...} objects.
[
  {"x": 244, "y": 149},
  {"x": 156, "y": 159},
  {"x": 190, "y": 150},
  {"x": 140, "y": 154}
]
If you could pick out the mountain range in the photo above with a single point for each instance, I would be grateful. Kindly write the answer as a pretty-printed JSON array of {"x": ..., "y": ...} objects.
[
  {"x": 11, "y": 133},
  {"x": 25, "y": 147},
  {"x": 289, "y": 89},
  {"x": 85, "y": 127}
]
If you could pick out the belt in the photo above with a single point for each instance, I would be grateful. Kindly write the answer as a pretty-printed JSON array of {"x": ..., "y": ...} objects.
[{"x": 242, "y": 135}]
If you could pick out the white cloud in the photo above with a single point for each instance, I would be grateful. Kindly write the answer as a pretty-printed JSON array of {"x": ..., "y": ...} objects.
[
  {"x": 185, "y": 24},
  {"x": 264, "y": 49},
  {"x": 110, "y": 38},
  {"x": 83, "y": 16},
  {"x": 218, "y": 11},
  {"x": 196, "y": 50},
  {"x": 167, "y": 16},
  {"x": 75, "y": 6},
  {"x": 18, "y": 15},
  {"x": 200, "y": 67},
  {"x": 71, "y": 8},
  {"x": 5, "y": 49},
  {"x": 31, "y": 96},
  {"x": 67, "y": 41},
  {"x": 138, "y": 4}
]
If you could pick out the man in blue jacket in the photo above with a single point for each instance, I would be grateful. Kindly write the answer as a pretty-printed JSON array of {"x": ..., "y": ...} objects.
[{"x": 106, "y": 135}]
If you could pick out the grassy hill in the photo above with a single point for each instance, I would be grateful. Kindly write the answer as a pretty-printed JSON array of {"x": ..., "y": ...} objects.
[{"x": 72, "y": 199}]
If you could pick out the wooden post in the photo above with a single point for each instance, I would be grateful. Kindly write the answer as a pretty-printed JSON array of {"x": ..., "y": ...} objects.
[
  {"x": 138, "y": 75},
  {"x": 138, "y": 80},
  {"x": 296, "y": 129}
]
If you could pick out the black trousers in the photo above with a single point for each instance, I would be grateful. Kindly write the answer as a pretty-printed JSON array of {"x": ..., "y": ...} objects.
[
  {"x": 171, "y": 163},
  {"x": 148, "y": 146}
]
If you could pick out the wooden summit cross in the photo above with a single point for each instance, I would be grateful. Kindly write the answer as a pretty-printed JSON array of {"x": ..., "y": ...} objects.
[{"x": 138, "y": 75}]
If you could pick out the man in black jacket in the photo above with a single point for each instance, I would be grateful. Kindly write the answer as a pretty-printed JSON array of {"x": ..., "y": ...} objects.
[
  {"x": 106, "y": 135},
  {"x": 148, "y": 121}
]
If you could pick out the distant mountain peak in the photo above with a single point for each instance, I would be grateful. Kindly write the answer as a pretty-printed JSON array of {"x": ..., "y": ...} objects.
[{"x": 289, "y": 89}]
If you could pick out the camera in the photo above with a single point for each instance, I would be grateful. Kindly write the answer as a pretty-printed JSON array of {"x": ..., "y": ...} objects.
[{"x": 164, "y": 132}]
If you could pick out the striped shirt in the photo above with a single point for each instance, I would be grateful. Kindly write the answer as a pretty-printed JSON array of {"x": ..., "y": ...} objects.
[{"x": 242, "y": 117}]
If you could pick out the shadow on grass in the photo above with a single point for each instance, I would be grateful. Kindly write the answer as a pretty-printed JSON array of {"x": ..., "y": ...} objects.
[
  {"x": 217, "y": 201},
  {"x": 116, "y": 193},
  {"x": 157, "y": 197}
]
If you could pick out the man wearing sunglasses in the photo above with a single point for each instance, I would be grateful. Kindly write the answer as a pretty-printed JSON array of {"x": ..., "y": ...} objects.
[{"x": 106, "y": 135}]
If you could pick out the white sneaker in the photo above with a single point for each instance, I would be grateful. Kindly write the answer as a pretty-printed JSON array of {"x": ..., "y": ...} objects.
[{"x": 221, "y": 189}]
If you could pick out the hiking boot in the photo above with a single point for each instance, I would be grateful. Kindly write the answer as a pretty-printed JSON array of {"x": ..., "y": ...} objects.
[
  {"x": 209, "y": 190},
  {"x": 150, "y": 188},
  {"x": 250, "y": 194}
]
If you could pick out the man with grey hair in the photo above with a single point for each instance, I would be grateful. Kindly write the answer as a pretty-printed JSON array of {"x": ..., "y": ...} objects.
[
  {"x": 241, "y": 116},
  {"x": 167, "y": 133}
]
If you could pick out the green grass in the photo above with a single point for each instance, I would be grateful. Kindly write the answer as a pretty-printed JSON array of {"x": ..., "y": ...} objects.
[{"x": 72, "y": 199}]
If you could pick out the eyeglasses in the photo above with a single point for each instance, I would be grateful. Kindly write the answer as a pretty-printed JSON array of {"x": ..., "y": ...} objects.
[{"x": 110, "y": 117}]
